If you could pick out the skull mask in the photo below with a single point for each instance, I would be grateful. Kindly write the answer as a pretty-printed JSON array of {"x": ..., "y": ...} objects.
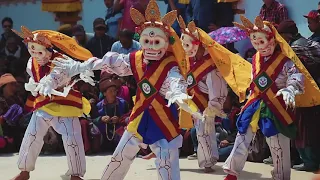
[
  {"x": 39, "y": 52},
  {"x": 190, "y": 44},
  {"x": 264, "y": 43},
  {"x": 154, "y": 43}
]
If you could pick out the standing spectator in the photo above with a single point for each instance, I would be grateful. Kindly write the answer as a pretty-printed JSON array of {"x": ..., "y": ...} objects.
[
  {"x": 80, "y": 35},
  {"x": 202, "y": 12},
  {"x": 307, "y": 142},
  {"x": 181, "y": 7},
  {"x": 13, "y": 48},
  {"x": 274, "y": 12},
  {"x": 125, "y": 5},
  {"x": 126, "y": 44},
  {"x": 113, "y": 19},
  {"x": 314, "y": 25},
  {"x": 210, "y": 15},
  {"x": 318, "y": 6},
  {"x": 101, "y": 43},
  {"x": 7, "y": 25}
]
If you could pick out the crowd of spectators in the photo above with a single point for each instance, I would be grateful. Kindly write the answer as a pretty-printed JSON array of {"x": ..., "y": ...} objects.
[{"x": 112, "y": 98}]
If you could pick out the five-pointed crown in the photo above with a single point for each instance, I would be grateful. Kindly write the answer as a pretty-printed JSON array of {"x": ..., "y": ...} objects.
[
  {"x": 38, "y": 38},
  {"x": 191, "y": 29},
  {"x": 258, "y": 26},
  {"x": 152, "y": 18}
]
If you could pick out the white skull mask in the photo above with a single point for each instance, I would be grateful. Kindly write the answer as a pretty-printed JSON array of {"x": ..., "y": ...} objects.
[
  {"x": 39, "y": 52},
  {"x": 262, "y": 42},
  {"x": 190, "y": 44},
  {"x": 154, "y": 43}
]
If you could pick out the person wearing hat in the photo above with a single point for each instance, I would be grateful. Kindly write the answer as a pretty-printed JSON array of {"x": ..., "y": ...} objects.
[
  {"x": 306, "y": 141},
  {"x": 111, "y": 111},
  {"x": 10, "y": 112},
  {"x": 314, "y": 24},
  {"x": 101, "y": 43},
  {"x": 80, "y": 35}
]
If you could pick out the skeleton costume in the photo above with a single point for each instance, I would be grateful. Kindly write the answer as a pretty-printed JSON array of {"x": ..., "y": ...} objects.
[
  {"x": 61, "y": 109},
  {"x": 276, "y": 72},
  {"x": 207, "y": 80},
  {"x": 156, "y": 69}
]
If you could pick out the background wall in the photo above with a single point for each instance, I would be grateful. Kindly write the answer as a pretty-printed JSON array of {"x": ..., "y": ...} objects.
[{"x": 31, "y": 15}]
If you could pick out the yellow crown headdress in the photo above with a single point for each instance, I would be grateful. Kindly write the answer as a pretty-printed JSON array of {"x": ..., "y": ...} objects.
[
  {"x": 191, "y": 29},
  {"x": 49, "y": 39},
  {"x": 153, "y": 18},
  {"x": 258, "y": 26},
  {"x": 38, "y": 38}
]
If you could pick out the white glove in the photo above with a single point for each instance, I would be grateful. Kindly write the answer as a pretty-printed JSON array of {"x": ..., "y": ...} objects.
[
  {"x": 210, "y": 114},
  {"x": 45, "y": 86},
  {"x": 87, "y": 77},
  {"x": 31, "y": 86},
  {"x": 177, "y": 97},
  {"x": 288, "y": 96}
]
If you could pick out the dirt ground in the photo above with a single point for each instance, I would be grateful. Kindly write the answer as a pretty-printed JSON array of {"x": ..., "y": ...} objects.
[{"x": 54, "y": 167}]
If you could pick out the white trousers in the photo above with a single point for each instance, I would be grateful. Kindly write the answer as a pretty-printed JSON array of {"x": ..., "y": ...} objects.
[
  {"x": 280, "y": 150},
  {"x": 207, "y": 151},
  {"x": 167, "y": 161},
  {"x": 68, "y": 127}
]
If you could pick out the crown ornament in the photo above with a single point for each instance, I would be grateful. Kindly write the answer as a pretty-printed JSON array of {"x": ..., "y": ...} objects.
[
  {"x": 258, "y": 26},
  {"x": 190, "y": 29},
  {"x": 38, "y": 38},
  {"x": 153, "y": 18}
]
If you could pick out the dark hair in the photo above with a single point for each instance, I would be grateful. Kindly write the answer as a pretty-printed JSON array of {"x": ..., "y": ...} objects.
[
  {"x": 7, "y": 19},
  {"x": 126, "y": 34},
  {"x": 12, "y": 35},
  {"x": 319, "y": 3}
]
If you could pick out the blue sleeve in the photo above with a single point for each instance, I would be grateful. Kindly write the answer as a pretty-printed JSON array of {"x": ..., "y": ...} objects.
[{"x": 114, "y": 47}]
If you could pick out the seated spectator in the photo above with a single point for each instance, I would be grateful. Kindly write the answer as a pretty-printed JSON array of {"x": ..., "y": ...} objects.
[
  {"x": 113, "y": 19},
  {"x": 249, "y": 54},
  {"x": 273, "y": 12},
  {"x": 232, "y": 108},
  {"x": 17, "y": 68},
  {"x": 10, "y": 113},
  {"x": 126, "y": 44},
  {"x": 80, "y": 35},
  {"x": 12, "y": 48},
  {"x": 314, "y": 25},
  {"x": 113, "y": 113},
  {"x": 123, "y": 89},
  {"x": 51, "y": 142}
]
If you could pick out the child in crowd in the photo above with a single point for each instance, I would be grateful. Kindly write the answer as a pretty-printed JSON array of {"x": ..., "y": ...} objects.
[{"x": 112, "y": 113}]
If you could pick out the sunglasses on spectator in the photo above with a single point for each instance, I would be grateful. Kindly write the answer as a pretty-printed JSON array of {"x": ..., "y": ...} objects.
[
  {"x": 7, "y": 26},
  {"x": 100, "y": 28}
]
